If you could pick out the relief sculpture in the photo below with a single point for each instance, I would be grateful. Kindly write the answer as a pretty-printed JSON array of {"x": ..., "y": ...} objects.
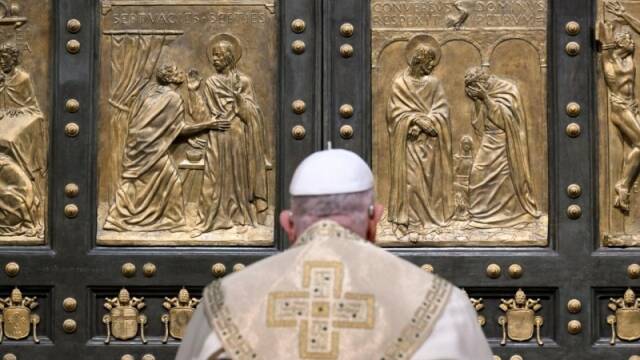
[
  {"x": 23, "y": 126},
  {"x": 620, "y": 125},
  {"x": 186, "y": 146},
  {"x": 458, "y": 91}
]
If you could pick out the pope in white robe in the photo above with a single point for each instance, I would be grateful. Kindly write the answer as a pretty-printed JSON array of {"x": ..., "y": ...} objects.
[{"x": 333, "y": 294}]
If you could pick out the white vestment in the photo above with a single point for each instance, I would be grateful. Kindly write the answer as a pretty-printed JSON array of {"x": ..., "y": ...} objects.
[{"x": 334, "y": 296}]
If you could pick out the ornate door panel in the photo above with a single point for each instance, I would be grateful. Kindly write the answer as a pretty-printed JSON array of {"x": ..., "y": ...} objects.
[{"x": 146, "y": 148}]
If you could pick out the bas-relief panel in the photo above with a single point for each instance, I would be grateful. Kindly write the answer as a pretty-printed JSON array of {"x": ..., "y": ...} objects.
[
  {"x": 187, "y": 122},
  {"x": 619, "y": 122},
  {"x": 25, "y": 53},
  {"x": 460, "y": 122}
]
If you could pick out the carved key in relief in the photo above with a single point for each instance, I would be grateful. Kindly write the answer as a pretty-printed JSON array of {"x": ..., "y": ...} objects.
[
  {"x": 520, "y": 321},
  {"x": 17, "y": 319},
  {"x": 124, "y": 317},
  {"x": 625, "y": 322},
  {"x": 180, "y": 310}
]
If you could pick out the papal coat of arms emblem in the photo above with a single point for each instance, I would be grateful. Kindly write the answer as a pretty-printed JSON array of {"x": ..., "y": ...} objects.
[
  {"x": 17, "y": 319},
  {"x": 625, "y": 323},
  {"x": 124, "y": 317},
  {"x": 181, "y": 310},
  {"x": 520, "y": 321}
]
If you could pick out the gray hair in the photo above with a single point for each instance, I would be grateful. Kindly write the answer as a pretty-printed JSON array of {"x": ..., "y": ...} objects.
[{"x": 350, "y": 210}]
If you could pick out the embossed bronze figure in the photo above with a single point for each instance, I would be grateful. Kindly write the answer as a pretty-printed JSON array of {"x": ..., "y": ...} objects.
[
  {"x": 17, "y": 319},
  {"x": 23, "y": 137},
  {"x": 625, "y": 324},
  {"x": 124, "y": 317},
  {"x": 234, "y": 188},
  {"x": 520, "y": 320},
  {"x": 618, "y": 66},
  {"x": 150, "y": 194},
  {"x": 418, "y": 123},
  {"x": 501, "y": 190},
  {"x": 180, "y": 310}
]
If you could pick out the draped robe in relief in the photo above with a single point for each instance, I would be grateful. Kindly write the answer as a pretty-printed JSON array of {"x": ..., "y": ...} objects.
[
  {"x": 335, "y": 296},
  {"x": 149, "y": 197},
  {"x": 500, "y": 185},
  {"x": 421, "y": 168},
  {"x": 234, "y": 188},
  {"x": 24, "y": 141}
]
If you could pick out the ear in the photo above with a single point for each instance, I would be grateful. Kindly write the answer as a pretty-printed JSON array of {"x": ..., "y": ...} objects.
[
  {"x": 374, "y": 219},
  {"x": 286, "y": 221}
]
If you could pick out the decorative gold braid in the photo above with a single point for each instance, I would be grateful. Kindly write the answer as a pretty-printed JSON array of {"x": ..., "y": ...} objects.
[
  {"x": 415, "y": 333},
  {"x": 220, "y": 319}
]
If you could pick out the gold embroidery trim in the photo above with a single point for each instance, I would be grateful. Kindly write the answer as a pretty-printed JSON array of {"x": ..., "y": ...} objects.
[
  {"x": 416, "y": 332},
  {"x": 220, "y": 319}
]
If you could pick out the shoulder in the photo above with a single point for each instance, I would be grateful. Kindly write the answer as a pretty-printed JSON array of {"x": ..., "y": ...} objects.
[{"x": 21, "y": 76}]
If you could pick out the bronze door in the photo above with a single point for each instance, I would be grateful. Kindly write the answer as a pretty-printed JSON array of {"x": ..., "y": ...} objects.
[{"x": 146, "y": 148}]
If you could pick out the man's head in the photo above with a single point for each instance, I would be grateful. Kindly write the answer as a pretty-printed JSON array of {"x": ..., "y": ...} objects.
[
  {"x": 475, "y": 78},
  {"x": 624, "y": 42},
  {"x": 466, "y": 143},
  {"x": 333, "y": 185},
  {"x": 169, "y": 74},
  {"x": 9, "y": 57},
  {"x": 423, "y": 59},
  {"x": 222, "y": 56}
]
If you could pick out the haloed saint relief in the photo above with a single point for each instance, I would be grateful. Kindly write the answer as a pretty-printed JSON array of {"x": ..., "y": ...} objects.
[
  {"x": 460, "y": 116},
  {"x": 194, "y": 148}
]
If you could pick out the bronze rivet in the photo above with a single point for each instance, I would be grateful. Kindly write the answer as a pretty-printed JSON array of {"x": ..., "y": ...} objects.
[
  {"x": 493, "y": 271},
  {"x": 73, "y": 46},
  {"x": 516, "y": 357},
  {"x": 298, "y": 107},
  {"x": 634, "y": 357},
  {"x": 298, "y": 132},
  {"x": 73, "y": 26},
  {"x": 71, "y": 211},
  {"x": 346, "y": 29},
  {"x": 515, "y": 271},
  {"x": 346, "y": 50},
  {"x": 218, "y": 269},
  {"x": 298, "y": 26},
  {"x": 12, "y": 269},
  {"x": 149, "y": 269},
  {"x": 572, "y": 28},
  {"x": 72, "y": 105},
  {"x": 128, "y": 270},
  {"x": 574, "y": 306},
  {"x": 496, "y": 357},
  {"x": 71, "y": 129},
  {"x": 69, "y": 304},
  {"x": 69, "y": 326},
  {"x": 238, "y": 267},
  {"x": 148, "y": 357},
  {"x": 9, "y": 356},
  {"x": 573, "y": 130},
  {"x": 346, "y": 131},
  {"x": 574, "y": 191},
  {"x": 71, "y": 190},
  {"x": 573, "y": 109},
  {"x": 127, "y": 357},
  {"x": 574, "y": 327},
  {"x": 298, "y": 47},
  {"x": 346, "y": 111},
  {"x": 427, "y": 267},
  {"x": 574, "y": 212},
  {"x": 572, "y": 48},
  {"x": 633, "y": 271}
]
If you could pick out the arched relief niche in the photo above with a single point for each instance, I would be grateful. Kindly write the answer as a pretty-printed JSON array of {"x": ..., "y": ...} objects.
[{"x": 437, "y": 146}]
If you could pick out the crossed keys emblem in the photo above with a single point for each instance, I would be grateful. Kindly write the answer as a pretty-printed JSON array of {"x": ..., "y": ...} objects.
[
  {"x": 124, "y": 317},
  {"x": 520, "y": 319}
]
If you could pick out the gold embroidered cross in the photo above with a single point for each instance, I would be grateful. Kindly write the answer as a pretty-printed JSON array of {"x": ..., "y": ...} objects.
[{"x": 320, "y": 310}]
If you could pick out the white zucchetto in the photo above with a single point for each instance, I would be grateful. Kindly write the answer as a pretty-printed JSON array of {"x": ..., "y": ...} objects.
[{"x": 329, "y": 172}]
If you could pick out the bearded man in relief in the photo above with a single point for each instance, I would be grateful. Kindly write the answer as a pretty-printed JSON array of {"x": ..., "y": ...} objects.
[
  {"x": 234, "y": 188},
  {"x": 422, "y": 195},
  {"x": 501, "y": 190},
  {"x": 149, "y": 196}
]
